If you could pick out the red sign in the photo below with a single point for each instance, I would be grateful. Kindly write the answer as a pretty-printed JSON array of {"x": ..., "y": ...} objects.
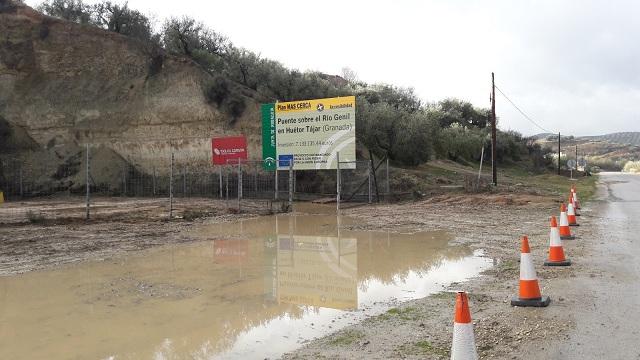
[{"x": 228, "y": 150}]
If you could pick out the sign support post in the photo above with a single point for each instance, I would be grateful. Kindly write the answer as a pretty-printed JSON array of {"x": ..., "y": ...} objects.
[
  {"x": 338, "y": 183},
  {"x": 291, "y": 185}
]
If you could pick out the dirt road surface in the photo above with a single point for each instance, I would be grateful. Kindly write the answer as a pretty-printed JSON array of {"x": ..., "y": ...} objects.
[{"x": 607, "y": 320}]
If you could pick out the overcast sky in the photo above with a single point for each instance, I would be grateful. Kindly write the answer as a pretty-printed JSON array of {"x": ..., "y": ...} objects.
[{"x": 572, "y": 66}]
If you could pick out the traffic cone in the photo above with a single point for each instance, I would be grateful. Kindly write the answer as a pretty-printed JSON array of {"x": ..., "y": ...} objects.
[
  {"x": 565, "y": 231},
  {"x": 529, "y": 290},
  {"x": 463, "y": 346},
  {"x": 575, "y": 197},
  {"x": 571, "y": 215},
  {"x": 556, "y": 252}
]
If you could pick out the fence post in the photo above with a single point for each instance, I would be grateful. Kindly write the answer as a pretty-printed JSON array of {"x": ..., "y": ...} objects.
[
  {"x": 220, "y": 182},
  {"x": 87, "y": 199},
  {"x": 154, "y": 181},
  {"x": 239, "y": 183},
  {"x": 227, "y": 174},
  {"x": 338, "y": 182},
  {"x": 255, "y": 181},
  {"x": 369, "y": 167},
  {"x": 171, "y": 188},
  {"x": 124, "y": 179},
  {"x": 21, "y": 186},
  {"x": 291, "y": 185},
  {"x": 184, "y": 181},
  {"x": 388, "y": 180}
]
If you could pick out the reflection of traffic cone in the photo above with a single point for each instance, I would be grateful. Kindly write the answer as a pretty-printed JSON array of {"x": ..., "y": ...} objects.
[
  {"x": 571, "y": 215},
  {"x": 464, "y": 344},
  {"x": 565, "y": 232},
  {"x": 556, "y": 252},
  {"x": 529, "y": 290}
]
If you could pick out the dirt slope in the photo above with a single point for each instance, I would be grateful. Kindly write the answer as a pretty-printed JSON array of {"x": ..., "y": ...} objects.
[{"x": 65, "y": 83}]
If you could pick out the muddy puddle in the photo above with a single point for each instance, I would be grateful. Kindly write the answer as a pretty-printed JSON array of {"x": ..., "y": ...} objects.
[{"x": 252, "y": 289}]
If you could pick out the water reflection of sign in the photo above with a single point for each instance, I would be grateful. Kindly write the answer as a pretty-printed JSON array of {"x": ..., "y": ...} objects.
[
  {"x": 230, "y": 251},
  {"x": 317, "y": 271}
]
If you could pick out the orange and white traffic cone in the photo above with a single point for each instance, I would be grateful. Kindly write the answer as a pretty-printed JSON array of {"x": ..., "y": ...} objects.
[
  {"x": 574, "y": 200},
  {"x": 575, "y": 197},
  {"x": 463, "y": 346},
  {"x": 529, "y": 290},
  {"x": 556, "y": 252},
  {"x": 565, "y": 231},
  {"x": 571, "y": 215}
]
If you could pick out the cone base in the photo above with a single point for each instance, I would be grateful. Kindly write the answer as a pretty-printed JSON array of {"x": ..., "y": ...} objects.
[
  {"x": 541, "y": 302},
  {"x": 568, "y": 237},
  {"x": 557, "y": 263},
  {"x": 574, "y": 224}
]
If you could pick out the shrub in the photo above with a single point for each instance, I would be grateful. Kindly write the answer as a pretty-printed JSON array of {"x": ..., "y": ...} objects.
[
  {"x": 217, "y": 90},
  {"x": 632, "y": 167},
  {"x": 235, "y": 106}
]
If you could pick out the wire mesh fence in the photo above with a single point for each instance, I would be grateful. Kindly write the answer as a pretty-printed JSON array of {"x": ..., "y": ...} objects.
[{"x": 86, "y": 184}]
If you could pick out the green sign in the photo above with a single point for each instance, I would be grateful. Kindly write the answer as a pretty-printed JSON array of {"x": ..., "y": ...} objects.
[
  {"x": 269, "y": 136},
  {"x": 309, "y": 134}
]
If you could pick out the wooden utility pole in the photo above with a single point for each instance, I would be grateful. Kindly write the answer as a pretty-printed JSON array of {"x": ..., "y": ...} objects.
[
  {"x": 558, "y": 153},
  {"x": 494, "y": 167}
]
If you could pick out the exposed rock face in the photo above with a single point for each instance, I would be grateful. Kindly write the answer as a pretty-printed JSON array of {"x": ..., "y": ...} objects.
[{"x": 63, "y": 85}]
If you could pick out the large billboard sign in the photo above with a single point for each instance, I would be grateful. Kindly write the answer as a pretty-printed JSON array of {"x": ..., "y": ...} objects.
[
  {"x": 310, "y": 133},
  {"x": 228, "y": 150}
]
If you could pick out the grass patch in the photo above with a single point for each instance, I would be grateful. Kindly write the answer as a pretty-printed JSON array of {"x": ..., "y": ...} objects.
[
  {"x": 423, "y": 348},
  {"x": 508, "y": 265},
  {"x": 346, "y": 337},
  {"x": 550, "y": 182},
  {"x": 408, "y": 313}
]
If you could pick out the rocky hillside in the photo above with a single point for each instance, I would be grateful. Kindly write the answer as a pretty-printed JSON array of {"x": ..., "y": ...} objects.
[{"x": 63, "y": 85}]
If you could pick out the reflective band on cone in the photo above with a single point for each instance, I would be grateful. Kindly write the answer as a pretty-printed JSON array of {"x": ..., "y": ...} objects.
[
  {"x": 529, "y": 290},
  {"x": 463, "y": 346},
  {"x": 571, "y": 216},
  {"x": 565, "y": 231},
  {"x": 556, "y": 251}
]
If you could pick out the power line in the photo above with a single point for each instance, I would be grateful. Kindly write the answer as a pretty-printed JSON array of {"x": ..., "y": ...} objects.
[{"x": 523, "y": 113}]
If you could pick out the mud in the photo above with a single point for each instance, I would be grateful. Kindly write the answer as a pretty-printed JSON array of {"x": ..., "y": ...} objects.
[
  {"x": 168, "y": 301},
  {"x": 251, "y": 288},
  {"x": 493, "y": 223},
  {"x": 60, "y": 235}
]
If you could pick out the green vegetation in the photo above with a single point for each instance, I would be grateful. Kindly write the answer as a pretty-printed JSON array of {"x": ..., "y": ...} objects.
[
  {"x": 551, "y": 182},
  {"x": 392, "y": 121},
  {"x": 346, "y": 337},
  {"x": 423, "y": 348}
]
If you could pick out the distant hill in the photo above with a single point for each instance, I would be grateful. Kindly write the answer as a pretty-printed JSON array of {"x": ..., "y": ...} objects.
[
  {"x": 609, "y": 151},
  {"x": 630, "y": 138}
]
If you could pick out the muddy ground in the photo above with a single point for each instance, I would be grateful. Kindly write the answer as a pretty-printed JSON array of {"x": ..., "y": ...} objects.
[
  {"x": 423, "y": 328},
  {"x": 45, "y": 233},
  {"x": 416, "y": 329}
]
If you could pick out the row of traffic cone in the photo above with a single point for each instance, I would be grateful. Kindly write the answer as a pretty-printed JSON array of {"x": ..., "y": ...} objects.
[{"x": 463, "y": 346}]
